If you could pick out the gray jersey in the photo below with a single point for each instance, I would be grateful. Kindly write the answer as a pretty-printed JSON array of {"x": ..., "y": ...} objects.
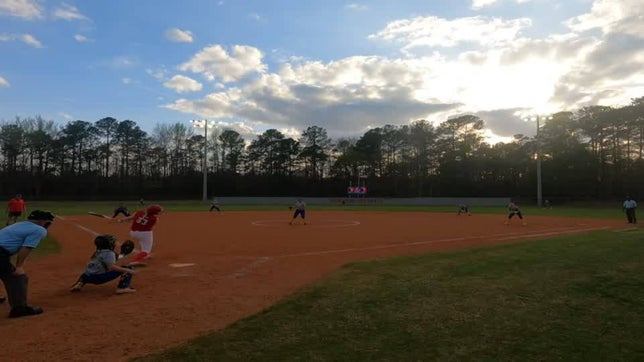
[
  {"x": 100, "y": 261},
  {"x": 300, "y": 205}
]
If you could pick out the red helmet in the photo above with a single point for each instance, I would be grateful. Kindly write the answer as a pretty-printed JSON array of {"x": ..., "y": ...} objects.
[{"x": 154, "y": 209}]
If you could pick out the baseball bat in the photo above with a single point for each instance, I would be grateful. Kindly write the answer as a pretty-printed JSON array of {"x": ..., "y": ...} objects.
[{"x": 98, "y": 215}]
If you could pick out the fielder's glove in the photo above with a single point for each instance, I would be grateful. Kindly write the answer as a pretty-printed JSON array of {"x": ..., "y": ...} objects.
[{"x": 127, "y": 247}]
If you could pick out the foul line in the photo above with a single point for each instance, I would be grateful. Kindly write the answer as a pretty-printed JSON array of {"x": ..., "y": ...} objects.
[
  {"x": 87, "y": 229},
  {"x": 248, "y": 268},
  {"x": 499, "y": 237}
]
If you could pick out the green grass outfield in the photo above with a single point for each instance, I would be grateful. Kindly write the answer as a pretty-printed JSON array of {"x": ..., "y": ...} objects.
[
  {"x": 107, "y": 207},
  {"x": 571, "y": 299}
]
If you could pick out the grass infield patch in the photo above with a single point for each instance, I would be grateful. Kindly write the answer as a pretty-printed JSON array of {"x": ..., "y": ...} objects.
[{"x": 572, "y": 298}]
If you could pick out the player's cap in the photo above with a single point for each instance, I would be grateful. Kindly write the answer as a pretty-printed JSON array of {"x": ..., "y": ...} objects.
[{"x": 41, "y": 215}]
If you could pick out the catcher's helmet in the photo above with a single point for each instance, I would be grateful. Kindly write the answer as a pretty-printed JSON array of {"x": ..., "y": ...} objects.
[
  {"x": 105, "y": 241},
  {"x": 41, "y": 215},
  {"x": 154, "y": 209}
]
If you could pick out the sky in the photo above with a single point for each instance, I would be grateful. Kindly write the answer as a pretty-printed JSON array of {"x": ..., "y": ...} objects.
[{"x": 346, "y": 66}]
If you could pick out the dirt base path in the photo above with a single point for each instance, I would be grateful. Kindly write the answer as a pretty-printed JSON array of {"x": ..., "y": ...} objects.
[{"x": 211, "y": 269}]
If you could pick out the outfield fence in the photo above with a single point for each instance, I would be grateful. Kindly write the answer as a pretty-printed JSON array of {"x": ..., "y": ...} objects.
[{"x": 414, "y": 201}]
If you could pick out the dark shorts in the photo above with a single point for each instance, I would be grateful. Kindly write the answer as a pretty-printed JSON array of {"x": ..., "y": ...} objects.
[
  {"x": 15, "y": 213},
  {"x": 299, "y": 212},
  {"x": 515, "y": 212},
  {"x": 6, "y": 267}
]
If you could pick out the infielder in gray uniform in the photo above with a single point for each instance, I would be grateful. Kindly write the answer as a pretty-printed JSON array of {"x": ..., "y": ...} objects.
[{"x": 300, "y": 209}]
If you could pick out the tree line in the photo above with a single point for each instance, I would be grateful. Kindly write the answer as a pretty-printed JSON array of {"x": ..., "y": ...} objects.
[{"x": 592, "y": 153}]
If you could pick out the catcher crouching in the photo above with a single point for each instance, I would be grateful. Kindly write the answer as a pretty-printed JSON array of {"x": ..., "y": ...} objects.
[{"x": 102, "y": 267}]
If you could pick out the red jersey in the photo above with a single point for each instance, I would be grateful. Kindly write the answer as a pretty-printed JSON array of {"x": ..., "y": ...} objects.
[
  {"x": 16, "y": 205},
  {"x": 141, "y": 221}
]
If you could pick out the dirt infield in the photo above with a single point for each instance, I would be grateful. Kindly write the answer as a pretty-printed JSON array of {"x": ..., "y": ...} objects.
[{"x": 210, "y": 269}]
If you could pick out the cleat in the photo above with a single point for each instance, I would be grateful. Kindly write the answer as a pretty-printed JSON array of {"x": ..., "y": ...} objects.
[
  {"x": 24, "y": 311},
  {"x": 136, "y": 264},
  {"x": 77, "y": 286},
  {"x": 125, "y": 290}
]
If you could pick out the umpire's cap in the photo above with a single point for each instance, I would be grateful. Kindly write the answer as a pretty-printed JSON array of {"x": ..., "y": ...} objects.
[{"x": 41, "y": 215}]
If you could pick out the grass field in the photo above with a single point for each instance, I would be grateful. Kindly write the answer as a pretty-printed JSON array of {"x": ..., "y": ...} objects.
[
  {"x": 106, "y": 207},
  {"x": 574, "y": 298}
]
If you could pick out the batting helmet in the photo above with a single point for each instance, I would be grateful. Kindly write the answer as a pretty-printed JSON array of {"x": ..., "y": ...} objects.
[
  {"x": 41, "y": 215},
  {"x": 105, "y": 241},
  {"x": 154, "y": 209}
]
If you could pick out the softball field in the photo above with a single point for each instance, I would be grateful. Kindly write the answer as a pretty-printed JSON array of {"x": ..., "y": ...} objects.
[{"x": 211, "y": 269}]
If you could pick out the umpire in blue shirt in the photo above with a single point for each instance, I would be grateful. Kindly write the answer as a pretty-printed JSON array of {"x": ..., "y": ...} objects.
[
  {"x": 20, "y": 239},
  {"x": 629, "y": 207}
]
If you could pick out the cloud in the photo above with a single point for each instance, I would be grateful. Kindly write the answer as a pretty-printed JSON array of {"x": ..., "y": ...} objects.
[
  {"x": 68, "y": 12},
  {"x": 476, "y": 65},
  {"x": 183, "y": 84},
  {"x": 432, "y": 31},
  {"x": 179, "y": 36},
  {"x": 255, "y": 16},
  {"x": 478, "y": 4},
  {"x": 81, "y": 38},
  {"x": 608, "y": 69},
  {"x": 26, "y": 9},
  {"x": 25, "y": 38},
  {"x": 4, "y": 83},
  {"x": 30, "y": 40},
  {"x": 66, "y": 116},
  {"x": 123, "y": 61},
  {"x": 356, "y": 6},
  {"x": 351, "y": 95},
  {"x": 619, "y": 16},
  {"x": 158, "y": 74},
  {"x": 214, "y": 62}
]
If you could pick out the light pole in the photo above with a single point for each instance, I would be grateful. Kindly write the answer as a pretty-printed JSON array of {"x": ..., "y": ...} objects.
[
  {"x": 203, "y": 123},
  {"x": 538, "y": 140}
]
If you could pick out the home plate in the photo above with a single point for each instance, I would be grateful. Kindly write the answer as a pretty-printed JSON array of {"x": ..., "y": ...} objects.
[{"x": 181, "y": 265}]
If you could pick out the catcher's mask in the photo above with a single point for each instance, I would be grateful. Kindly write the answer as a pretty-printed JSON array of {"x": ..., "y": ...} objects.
[
  {"x": 105, "y": 241},
  {"x": 154, "y": 209}
]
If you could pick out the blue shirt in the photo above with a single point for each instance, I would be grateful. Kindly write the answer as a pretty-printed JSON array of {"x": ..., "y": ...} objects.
[{"x": 23, "y": 233}]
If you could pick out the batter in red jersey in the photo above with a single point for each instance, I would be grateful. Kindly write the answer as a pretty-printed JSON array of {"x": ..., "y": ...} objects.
[
  {"x": 141, "y": 230},
  {"x": 15, "y": 208}
]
